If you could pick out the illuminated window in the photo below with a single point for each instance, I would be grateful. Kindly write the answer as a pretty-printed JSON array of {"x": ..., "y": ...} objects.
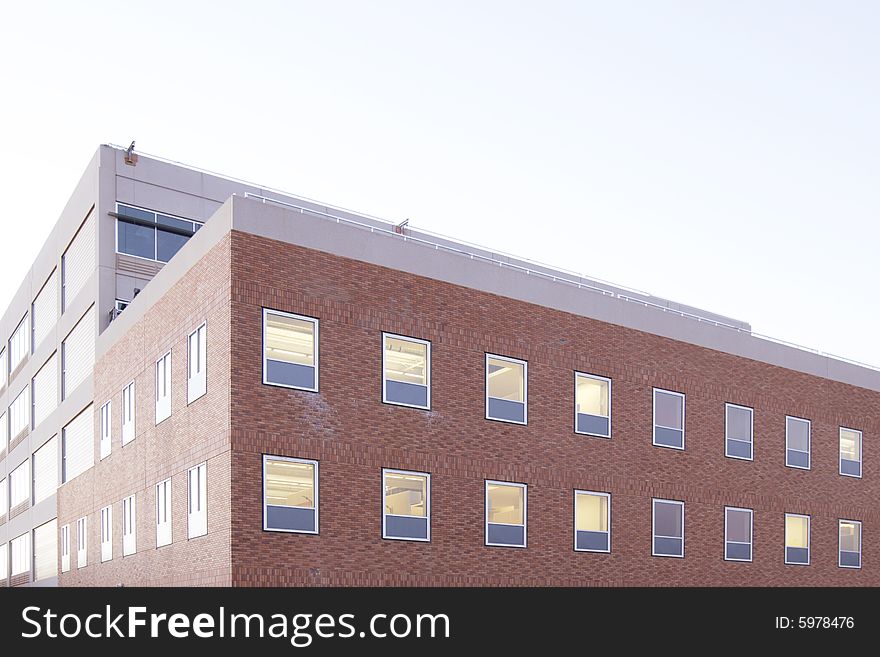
[
  {"x": 797, "y": 539},
  {"x": 505, "y": 514},
  {"x": 406, "y": 505},
  {"x": 592, "y": 405},
  {"x": 592, "y": 521},
  {"x": 406, "y": 367},
  {"x": 738, "y": 430},
  {"x": 163, "y": 388},
  {"x": 797, "y": 443},
  {"x": 290, "y": 350},
  {"x": 290, "y": 495},
  {"x": 737, "y": 534},
  {"x": 850, "y": 452},
  {"x": 668, "y": 528},
  {"x": 668, "y": 419},
  {"x": 506, "y": 389},
  {"x": 850, "y": 544}
]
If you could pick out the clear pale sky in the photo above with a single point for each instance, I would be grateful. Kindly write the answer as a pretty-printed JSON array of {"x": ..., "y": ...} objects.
[{"x": 724, "y": 155}]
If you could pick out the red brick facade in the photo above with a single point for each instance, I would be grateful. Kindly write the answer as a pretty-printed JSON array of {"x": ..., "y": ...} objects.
[{"x": 354, "y": 435}]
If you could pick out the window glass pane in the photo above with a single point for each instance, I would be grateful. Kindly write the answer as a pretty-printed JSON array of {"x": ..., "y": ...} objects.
[
  {"x": 592, "y": 396},
  {"x": 168, "y": 244},
  {"x": 136, "y": 240},
  {"x": 798, "y": 432},
  {"x": 405, "y": 494},
  {"x": 739, "y": 423},
  {"x": 164, "y": 220},
  {"x": 136, "y": 213},
  {"x": 739, "y": 526},
  {"x": 506, "y": 504},
  {"x": 591, "y": 513},
  {"x": 290, "y": 340},
  {"x": 506, "y": 380},
  {"x": 406, "y": 361},
  {"x": 290, "y": 483},
  {"x": 667, "y": 519},
  {"x": 850, "y": 536},
  {"x": 850, "y": 445},
  {"x": 797, "y": 532},
  {"x": 667, "y": 410}
]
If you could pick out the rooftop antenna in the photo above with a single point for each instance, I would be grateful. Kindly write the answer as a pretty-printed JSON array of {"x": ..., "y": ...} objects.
[
  {"x": 130, "y": 156},
  {"x": 399, "y": 227}
]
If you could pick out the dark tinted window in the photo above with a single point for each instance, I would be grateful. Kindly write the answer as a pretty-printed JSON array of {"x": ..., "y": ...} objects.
[
  {"x": 136, "y": 240},
  {"x": 168, "y": 245}
]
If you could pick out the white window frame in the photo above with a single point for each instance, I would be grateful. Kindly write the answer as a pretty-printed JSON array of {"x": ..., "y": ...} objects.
[
  {"x": 128, "y": 427},
  {"x": 197, "y": 382},
  {"x": 155, "y": 228},
  {"x": 654, "y": 534},
  {"x": 751, "y": 543},
  {"x": 654, "y": 418},
  {"x": 407, "y": 338},
  {"x": 427, "y": 516},
  {"x": 129, "y": 525},
  {"x": 525, "y": 523},
  {"x": 163, "y": 402},
  {"x": 106, "y": 440},
  {"x": 4, "y": 496},
  {"x": 163, "y": 503},
  {"x": 595, "y": 377},
  {"x": 727, "y": 437},
  {"x": 27, "y": 486},
  {"x": 316, "y": 348},
  {"x": 608, "y": 520},
  {"x": 840, "y": 455},
  {"x": 809, "y": 539},
  {"x": 525, "y": 401},
  {"x": 21, "y": 329},
  {"x": 82, "y": 542},
  {"x": 266, "y": 528},
  {"x": 809, "y": 451},
  {"x": 4, "y": 367},
  {"x": 839, "y": 550},
  {"x": 197, "y": 519},
  {"x": 107, "y": 533},
  {"x": 65, "y": 548},
  {"x": 29, "y": 552}
]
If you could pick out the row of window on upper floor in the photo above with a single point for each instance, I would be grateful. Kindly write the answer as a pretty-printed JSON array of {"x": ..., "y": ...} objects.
[{"x": 290, "y": 359}]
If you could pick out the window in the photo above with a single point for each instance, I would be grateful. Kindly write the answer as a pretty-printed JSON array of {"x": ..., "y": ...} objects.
[
  {"x": 406, "y": 505},
  {"x": 46, "y": 550},
  {"x": 668, "y": 419},
  {"x": 592, "y": 405},
  {"x": 4, "y": 434},
  {"x": 197, "y": 356},
  {"x": 78, "y": 262},
  {"x": 18, "y": 345},
  {"x": 797, "y": 539},
  {"x": 21, "y": 554},
  {"x": 65, "y": 548},
  {"x": 668, "y": 528},
  {"x": 128, "y": 400},
  {"x": 506, "y": 389},
  {"x": 290, "y": 350},
  {"x": 505, "y": 514},
  {"x": 850, "y": 452},
  {"x": 4, "y": 502},
  {"x": 737, "y": 534},
  {"x": 406, "y": 371},
  {"x": 163, "y": 513},
  {"x": 44, "y": 391},
  {"x": 849, "y": 544},
  {"x": 20, "y": 484},
  {"x": 78, "y": 354},
  {"x": 197, "y": 515},
  {"x": 797, "y": 443},
  {"x": 592, "y": 521},
  {"x": 44, "y": 311},
  {"x": 4, "y": 563},
  {"x": 77, "y": 445},
  {"x": 129, "y": 526},
  {"x": 163, "y": 388},
  {"x": 19, "y": 414},
  {"x": 106, "y": 533},
  {"x": 82, "y": 543},
  {"x": 290, "y": 495},
  {"x": 46, "y": 470},
  {"x": 738, "y": 431},
  {"x": 4, "y": 365},
  {"x": 106, "y": 440},
  {"x": 151, "y": 235}
]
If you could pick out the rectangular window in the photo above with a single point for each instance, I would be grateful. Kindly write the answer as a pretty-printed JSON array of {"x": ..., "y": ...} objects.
[
  {"x": 20, "y": 415},
  {"x": 21, "y": 554},
  {"x": 406, "y": 371},
  {"x": 850, "y": 452},
  {"x": 197, "y": 495},
  {"x": 4, "y": 501},
  {"x": 106, "y": 440},
  {"x": 668, "y": 528},
  {"x": 849, "y": 544},
  {"x": 163, "y": 388},
  {"x": 797, "y": 539},
  {"x": 163, "y": 513},
  {"x": 20, "y": 484},
  {"x": 290, "y": 350},
  {"x": 406, "y": 505},
  {"x": 197, "y": 358},
  {"x": 797, "y": 443},
  {"x": 592, "y": 521},
  {"x": 44, "y": 311},
  {"x": 44, "y": 391},
  {"x": 65, "y": 548},
  {"x": 18, "y": 344},
  {"x": 129, "y": 526},
  {"x": 668, "y": 419},
  {"x": 78, "y": 354},
  {"x": 151, "y": 235},
  {"x": 128, "y": 400},
  {"x": 4, "y": 563},
  {"x": 82, "y": 543},
  {"x": 46, "y": 470},
  {"x": 738, "y": 431},
  {"x": 290, "y": 495},
  {"x": 506, "y": 389},
  {"x": 4, "y": 435},
  {"x": 78, "y": 262},
  {"x": 46, "y": 550},
  {"x": 106, "y": 533},
  {"x": 592, "y": 405},
  {"x": 505, "y": 514},
  {"x": 737, "y": 534},
  {"x": 4, "y": 367},
  {"x": 78, "y": 445}
]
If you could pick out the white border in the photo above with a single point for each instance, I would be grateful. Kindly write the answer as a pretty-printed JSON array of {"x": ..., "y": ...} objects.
[
  {"x": 608, "y": 520},
  {"x": 654, "y": 419},
  {"x": 525, "y": 365},
  {"x": 316, "y": 483},
  {"x": 680, "y": 503},
  {"x": 524, "y": 525},
  {"x": 406, "y": 338},
  {"x": 809, "y": 539},
  {"x": 855, "y": 522},
  {"x": 411, "y": 473},
  {"x": 751, "y": 543},
  {"x": 595, "y": 377},
  {"x": 727, "y": 438},
  {"x": 840, "y": 456},
  {"x": 316, "y": 348},
  {"x": 809, "y": 443}
]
